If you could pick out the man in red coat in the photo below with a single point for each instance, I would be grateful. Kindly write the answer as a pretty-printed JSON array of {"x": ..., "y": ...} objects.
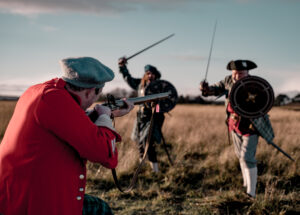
[{"x": 49, "y": 138}]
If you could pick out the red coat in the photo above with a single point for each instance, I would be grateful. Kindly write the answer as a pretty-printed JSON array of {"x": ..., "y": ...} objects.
[
  {"x": 239, "y": 124},
  {"x": 44, "y": 151}
]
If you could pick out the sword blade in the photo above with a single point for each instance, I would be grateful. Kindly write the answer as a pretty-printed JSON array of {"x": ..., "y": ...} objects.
[
  {"x": 210, "y": 51},
  {"x": 154, "y": 44},
  {"x": 283, "y": 152}
]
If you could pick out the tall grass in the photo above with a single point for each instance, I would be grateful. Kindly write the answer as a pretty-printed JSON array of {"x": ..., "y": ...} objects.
[{"x": 205, "y": 177}]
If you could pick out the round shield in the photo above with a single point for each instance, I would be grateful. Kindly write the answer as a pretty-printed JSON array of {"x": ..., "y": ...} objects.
[
  {"x": 251, "y": 97},
  {"x": 161, "y": 86}
]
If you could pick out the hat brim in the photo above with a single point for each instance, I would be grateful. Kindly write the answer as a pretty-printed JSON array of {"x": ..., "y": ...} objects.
[
  {"x": 241, "y": 65},
  {"x": 83, "y": 84}
]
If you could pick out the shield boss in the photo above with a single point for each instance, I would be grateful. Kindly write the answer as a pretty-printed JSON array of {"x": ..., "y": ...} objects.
[
  {"x": 251, "y": 97},
  {"x": 161, "y": 86}
]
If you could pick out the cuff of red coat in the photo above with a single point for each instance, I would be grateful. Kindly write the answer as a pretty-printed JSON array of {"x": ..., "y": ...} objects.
[{"x": 105, "y": 121}]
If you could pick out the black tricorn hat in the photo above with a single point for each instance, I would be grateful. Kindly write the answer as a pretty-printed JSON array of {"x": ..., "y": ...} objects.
[{"x": 241, "y": 65}]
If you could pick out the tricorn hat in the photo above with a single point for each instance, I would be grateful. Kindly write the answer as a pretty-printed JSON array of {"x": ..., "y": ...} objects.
[
  {"x": 241, "y": 65},
  {"x": 86, "y": 72},
  {"x": 153, "y": 69}
]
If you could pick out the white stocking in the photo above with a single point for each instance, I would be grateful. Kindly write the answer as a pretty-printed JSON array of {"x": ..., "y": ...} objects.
[{"x": 251, "y": 175}]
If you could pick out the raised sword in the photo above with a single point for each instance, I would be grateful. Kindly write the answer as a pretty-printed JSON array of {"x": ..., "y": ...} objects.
[{"x": 148, "y": 47}]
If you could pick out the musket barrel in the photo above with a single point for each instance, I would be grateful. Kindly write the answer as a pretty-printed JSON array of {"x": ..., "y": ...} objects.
[
  {"x": 138, "y": 100},
  {"x": 144, "y": 99},
  {"x": 149, "y": 98},
  {"x": 93, "y": 115}
]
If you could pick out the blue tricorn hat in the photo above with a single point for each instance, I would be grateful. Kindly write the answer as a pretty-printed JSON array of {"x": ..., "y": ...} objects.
[
  {"x": 241, "y": 65},
  {"x": 153, "y": 69},
  {"x": 86, "y": 72}
]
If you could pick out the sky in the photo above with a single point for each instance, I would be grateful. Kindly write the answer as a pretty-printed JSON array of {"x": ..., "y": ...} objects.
[{"x": 36, "y": 34}]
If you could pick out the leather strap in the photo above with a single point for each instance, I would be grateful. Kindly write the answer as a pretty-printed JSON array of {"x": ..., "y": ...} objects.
[
  {"x": 137, "y": 171},
  {"x": 166, "y": 150}
]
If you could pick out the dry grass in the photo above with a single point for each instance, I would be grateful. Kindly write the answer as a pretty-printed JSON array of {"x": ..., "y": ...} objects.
[
  {"x": 6, "y": 111},
  {"x": 205, "y": 178}
]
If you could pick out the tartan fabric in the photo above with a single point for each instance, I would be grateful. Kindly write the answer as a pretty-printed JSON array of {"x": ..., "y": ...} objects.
[
  {"x": 95, "y": 206},
  {"x": 264, "y": 127},
  {"x": 262, "y": 124}
]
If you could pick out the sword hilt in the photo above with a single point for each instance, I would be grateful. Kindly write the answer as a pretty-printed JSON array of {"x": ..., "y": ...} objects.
[
  {"x": 122, "y": 61},
  {"x": 205, "y": 88}
]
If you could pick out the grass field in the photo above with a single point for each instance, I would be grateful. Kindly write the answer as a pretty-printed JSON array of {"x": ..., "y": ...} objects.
[{"x": 205, "y": 177}]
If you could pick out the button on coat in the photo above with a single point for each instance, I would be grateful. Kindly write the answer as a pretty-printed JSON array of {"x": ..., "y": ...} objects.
[{"x": 44, "y": 151}]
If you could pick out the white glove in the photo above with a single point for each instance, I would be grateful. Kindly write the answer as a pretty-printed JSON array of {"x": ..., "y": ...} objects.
[
  {"x": 123, "y": 111},
  {"x": 102, "y": 110}
]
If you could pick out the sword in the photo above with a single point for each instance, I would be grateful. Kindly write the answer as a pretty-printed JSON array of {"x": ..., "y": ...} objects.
[
  {"x": 154, "y": 44},
  {"x": 279, "y": 149},
  {"x": 204, "y": 83},
  {"x": 210, "y": 51}
]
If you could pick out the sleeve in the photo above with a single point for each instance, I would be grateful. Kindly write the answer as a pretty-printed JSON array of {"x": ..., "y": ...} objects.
[
  {"x": 218, "y": 88},
  {"x": 61, "y": 115},
  {"x": 132, "y": 82}
]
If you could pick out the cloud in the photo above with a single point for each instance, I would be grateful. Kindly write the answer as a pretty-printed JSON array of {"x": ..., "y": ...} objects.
[
  {"x": 30, "y": 7},
  {"x": 33, "y": 7}
]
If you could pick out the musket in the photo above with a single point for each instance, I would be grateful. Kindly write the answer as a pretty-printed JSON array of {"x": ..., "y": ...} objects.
[
  {"x": 117, "y": 104},
  {"x": 154, "y": 44}
]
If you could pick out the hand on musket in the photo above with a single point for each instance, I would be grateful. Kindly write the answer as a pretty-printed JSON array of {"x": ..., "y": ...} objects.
[{"x": 125, "y": 109}]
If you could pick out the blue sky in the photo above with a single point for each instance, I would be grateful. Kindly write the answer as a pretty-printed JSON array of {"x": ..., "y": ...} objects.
[{"x": 36, "y": 34}]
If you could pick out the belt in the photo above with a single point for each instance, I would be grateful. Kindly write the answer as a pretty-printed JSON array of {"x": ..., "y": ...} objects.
[
  {"x": 235, "y": 116},
  {"x": 244, "y": 125}
]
